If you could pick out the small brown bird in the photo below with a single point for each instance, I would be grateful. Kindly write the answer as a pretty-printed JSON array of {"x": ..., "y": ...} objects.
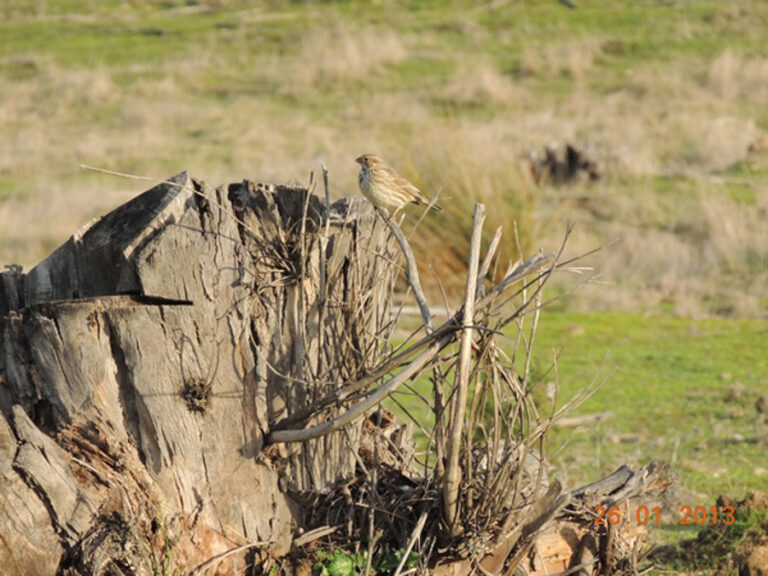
[{"x": 386, "y": 189}]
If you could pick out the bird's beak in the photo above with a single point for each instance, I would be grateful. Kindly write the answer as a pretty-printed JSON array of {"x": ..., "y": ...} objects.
[{"x": 359, "y": 160}]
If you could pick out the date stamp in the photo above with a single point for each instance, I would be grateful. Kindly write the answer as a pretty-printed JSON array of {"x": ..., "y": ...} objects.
[{"x": 642, "y": 515}]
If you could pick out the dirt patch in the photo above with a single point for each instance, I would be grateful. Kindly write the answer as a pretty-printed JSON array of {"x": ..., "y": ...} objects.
[{"x": 736, "y": 545}]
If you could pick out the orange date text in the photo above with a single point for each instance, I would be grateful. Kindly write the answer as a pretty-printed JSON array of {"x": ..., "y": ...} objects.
[{"x": 642, "y": 515}]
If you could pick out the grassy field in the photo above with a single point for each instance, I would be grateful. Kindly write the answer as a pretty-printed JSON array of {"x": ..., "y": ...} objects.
[
  {"x": 680, "y": 390},
  {"x": 666, "y": 95}
]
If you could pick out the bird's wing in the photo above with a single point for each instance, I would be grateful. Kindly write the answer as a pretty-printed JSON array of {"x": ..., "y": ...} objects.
[
  {"x": 417, "y": 195},
  {"x": 404, "y": 184}
]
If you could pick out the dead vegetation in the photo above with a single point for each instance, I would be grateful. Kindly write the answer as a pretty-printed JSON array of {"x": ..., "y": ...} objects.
[
  {"x": 298, "y": 293},
  {"x": 480, "y": 497}
]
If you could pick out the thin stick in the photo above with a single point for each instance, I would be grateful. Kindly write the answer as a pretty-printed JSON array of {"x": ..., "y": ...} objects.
[
  {"x": 531, "y": 336},
  {"x": 224, "y": 555},
  {"x": 313, "y": 535},
  {"x": 223, "y": 208},
  {"x": 322, "y": 296},
  {"x": 358, "y": 409},
  {"x": 486, "y": 265},
  {"x": 452, "y": 471},
  {"x": 424, "y": 213},
  {"x": 586, "y": 419},
  {"x": 372, "y": 511},
  {"x": 300, "y": 351},
  {"x": 411, "y": 541},
  {"x": 438, "y": 390},
  {"x": 412, "y": 272}
]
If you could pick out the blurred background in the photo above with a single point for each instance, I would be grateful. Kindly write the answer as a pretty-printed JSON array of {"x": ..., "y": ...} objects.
[{"x": 663, "y": 100}]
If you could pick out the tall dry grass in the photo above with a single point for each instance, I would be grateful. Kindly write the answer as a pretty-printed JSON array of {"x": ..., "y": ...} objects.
[
  {"x": 343, "y": 88},
  {"x": 572, "y": 58},
  {"x": 711, "y": 257}
]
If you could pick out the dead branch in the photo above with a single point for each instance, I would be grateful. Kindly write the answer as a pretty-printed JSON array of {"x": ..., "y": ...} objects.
[
  {"x": 452, "y": 471},
  {"x": 359, "y": 409},
  {"x": 412, "y": 275}
]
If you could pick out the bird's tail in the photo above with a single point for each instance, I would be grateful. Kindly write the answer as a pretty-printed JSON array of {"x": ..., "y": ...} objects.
[{"x": 422, "y": 201}]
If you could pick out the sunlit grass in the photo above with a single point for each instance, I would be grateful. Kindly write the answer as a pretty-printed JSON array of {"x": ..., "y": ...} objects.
[
  {"x": 672, "y": 384},
  {"x": 680, "y": 390}
]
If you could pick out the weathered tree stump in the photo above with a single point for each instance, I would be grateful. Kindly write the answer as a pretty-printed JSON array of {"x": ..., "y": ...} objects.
[{"x": 142, "y": 363}]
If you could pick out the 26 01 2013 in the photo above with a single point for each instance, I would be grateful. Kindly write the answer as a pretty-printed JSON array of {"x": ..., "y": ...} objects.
[{"x": 689, "y": 515}]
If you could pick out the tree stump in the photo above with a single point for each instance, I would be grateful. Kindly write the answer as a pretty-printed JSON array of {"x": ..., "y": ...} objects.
[{"x": 143, "y": 361}]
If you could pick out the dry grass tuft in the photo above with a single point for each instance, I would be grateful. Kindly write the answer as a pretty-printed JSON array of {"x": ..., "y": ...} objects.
[
  {"x": 481, "y": 85},
  {"x": 557, "y": 58},
  {"x": 732, "y": 76},
  {"x": 335, "y": 55},
  {"x": 710, "y": 258}
]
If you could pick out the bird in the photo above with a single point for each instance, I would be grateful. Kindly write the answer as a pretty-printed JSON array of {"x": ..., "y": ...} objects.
[{"x": 386, "y": 189}]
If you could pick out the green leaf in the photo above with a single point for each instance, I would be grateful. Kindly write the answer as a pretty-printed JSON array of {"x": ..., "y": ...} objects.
[
  {"x": 341, "y": 565},
  {"x": 387, "y": 563}
]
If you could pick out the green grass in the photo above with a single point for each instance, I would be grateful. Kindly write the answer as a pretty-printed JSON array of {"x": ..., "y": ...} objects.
[
  {"x": 669, "y": 385},
  {"x": 7, "y": 187}
]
